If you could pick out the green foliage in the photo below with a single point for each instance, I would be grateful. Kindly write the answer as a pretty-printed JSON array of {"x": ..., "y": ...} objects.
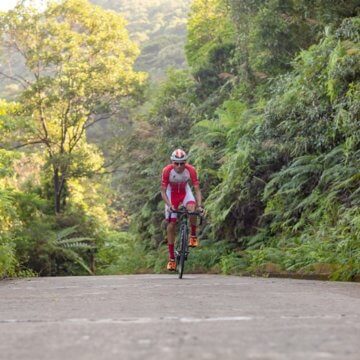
[
  {"x": 124, "y": 254},
  {"x": 269, "y": 113},
  {"x": 146, "y": 147},
  {"x": 209, "y": 27},
  {"x": 210, "y": 52},
  {"x": 171, "y": 110},
  {"x": 7, "y": 260},
  {"x": 68, "y": 246},
  {"x": 79, "y": 67},
  {"x": 159, "y": 29},
  {"x": 309, "y": 201},
  {"x": 79, "y": 62},
  {"x": 233, "y": 263},
  {"x": 278, "y": 159},
  {"x": 232, "y": 203}
]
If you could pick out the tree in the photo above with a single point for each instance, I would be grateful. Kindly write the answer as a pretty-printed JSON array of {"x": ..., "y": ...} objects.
[
  {"x": 79, "y": 62},
  {"x": 209, "y": 26}
]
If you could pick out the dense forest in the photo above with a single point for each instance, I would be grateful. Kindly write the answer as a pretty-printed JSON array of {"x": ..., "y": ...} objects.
[
  {"x": 268, "y": 110},
  {"x": 158, "y": 27}
]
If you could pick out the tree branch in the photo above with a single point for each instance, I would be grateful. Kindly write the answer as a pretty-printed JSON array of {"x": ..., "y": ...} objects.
[
  {"x": 34, "y": 142},
  {"x": 87, "y": 125},
  {"x": 19, "y": 79}
]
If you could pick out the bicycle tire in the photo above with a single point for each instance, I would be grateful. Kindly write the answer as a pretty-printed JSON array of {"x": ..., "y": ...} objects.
[{"x": 183, "y": 247}]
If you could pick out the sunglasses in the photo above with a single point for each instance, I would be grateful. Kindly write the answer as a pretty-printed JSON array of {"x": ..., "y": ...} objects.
[{"x": 179, "y": 163}]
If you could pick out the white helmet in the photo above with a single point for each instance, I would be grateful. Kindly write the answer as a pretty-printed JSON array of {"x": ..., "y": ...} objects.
[{"x": 178, "y": 155}]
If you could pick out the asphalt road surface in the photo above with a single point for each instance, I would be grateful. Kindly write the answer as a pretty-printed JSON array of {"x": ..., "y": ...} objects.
[{"x": 161, "y": 317}]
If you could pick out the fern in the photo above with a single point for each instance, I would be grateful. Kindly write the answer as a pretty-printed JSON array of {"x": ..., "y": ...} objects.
[{"x": 70, "y": 246}]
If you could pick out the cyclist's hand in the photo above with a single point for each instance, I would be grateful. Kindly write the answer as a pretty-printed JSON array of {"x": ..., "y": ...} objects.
[
  {"x": 201, "y": 210},
  {"x": 172, "y": 208}
]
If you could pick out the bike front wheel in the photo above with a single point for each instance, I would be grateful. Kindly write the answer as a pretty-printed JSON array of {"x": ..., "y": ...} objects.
[{"x": 182, "y": 251}]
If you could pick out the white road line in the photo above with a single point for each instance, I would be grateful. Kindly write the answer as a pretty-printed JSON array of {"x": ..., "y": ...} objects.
[
  {"x": 208, "y": 319},
  {"x": 184, "y": 319},
  {"x": 143, "y": 320},
  {"x": 294, "y": 355},
  {"x": 307, "y": 317}
]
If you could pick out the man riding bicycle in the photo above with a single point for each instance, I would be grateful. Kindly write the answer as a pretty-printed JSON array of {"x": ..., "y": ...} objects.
[{"x": 175, "y": 190}]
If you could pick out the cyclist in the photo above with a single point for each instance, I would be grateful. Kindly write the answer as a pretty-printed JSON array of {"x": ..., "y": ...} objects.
[{"x": 175, "y": 190}]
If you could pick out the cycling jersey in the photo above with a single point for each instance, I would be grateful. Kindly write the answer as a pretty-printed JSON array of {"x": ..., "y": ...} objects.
[{"x": 177, "y": 187}]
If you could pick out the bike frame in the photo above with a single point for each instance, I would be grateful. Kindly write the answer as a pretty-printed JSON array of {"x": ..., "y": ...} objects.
[{"x": 182, "y": 246}]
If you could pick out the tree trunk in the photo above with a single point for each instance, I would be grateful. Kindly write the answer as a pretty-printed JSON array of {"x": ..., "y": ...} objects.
[
  {"x": 92, "y": 262},
  {"x": 57, "y": 191}
]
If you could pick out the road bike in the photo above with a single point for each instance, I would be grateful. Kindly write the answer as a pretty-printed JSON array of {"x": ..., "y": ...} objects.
[{"x": 182, "y": 243}]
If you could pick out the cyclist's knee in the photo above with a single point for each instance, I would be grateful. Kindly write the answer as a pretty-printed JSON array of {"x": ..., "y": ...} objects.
[
  {"x": 190, "y": 207},
  {"x": 171, "y": 226}
]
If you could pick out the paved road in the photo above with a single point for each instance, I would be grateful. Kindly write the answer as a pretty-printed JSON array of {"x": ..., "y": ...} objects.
[{"x": 161, "y": 317}]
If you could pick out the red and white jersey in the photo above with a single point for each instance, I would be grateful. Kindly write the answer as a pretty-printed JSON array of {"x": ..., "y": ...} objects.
[{"x": 176, "y": 182}]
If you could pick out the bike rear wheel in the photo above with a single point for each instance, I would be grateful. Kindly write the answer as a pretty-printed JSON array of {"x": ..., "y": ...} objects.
[{"x": 182, "y": 250}]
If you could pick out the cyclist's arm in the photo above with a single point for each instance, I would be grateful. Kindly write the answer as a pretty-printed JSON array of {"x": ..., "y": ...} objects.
[
  {"x": 165, "y": 197},
  {"x": 164, "y": 184},
  {"x": 198, "y": 195},
  {"x": 196, "y": 184}
]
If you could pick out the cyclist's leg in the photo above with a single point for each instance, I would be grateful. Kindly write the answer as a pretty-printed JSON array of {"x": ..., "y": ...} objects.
[
  {"x": 171, "y": 218},
  {"x": 170, "y": 232},
  {"x": 190, "y": 204}
]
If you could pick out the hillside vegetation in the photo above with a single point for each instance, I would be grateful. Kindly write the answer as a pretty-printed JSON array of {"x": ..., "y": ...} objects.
[
  {"x": 269, "y": 111},
  {"x": 159, "y": 29},
  {"x": 270, "y": 115},
  {"x": 55, "y": 196}
]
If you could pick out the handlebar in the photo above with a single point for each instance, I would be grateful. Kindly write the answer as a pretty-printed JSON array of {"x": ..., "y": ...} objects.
[
  {"x": 191, "y": 213},
  {"x": 184, "y": 211}
]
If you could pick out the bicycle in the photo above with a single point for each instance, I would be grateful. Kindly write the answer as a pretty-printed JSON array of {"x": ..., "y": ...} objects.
[{"x": 182, "y": 245}]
